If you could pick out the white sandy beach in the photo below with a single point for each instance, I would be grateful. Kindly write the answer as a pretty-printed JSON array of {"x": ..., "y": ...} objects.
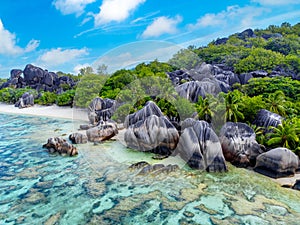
[{"x": 48, "y": 111}]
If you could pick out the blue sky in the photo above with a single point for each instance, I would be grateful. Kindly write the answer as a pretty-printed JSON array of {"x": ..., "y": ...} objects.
[{"x": 68, "y": 34}]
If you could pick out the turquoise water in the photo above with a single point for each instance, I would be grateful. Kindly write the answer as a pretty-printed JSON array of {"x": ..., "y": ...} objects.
[{"x": 96, "y": 187}]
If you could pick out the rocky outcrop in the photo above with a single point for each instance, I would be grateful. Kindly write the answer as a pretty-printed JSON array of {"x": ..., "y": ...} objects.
[
  {"x": 149, "y": 109},
  {"x": 191, "y": 91},
  {"x": 26, "y": 100},
  {"x": 265, "y": 118},
  {"x": 239, "y": 144},
  {"x": 61, "y": 146},
  {"x": 78, "y": 138},
  {"x": 101, "y": 110},
  {"x": 152, "y": 134},
  {"x": 278, "y": 162},
  {"x": 104, "y": 131},
  {"x": 199, "y": 146},
  {"x": 38, "y": 79}
]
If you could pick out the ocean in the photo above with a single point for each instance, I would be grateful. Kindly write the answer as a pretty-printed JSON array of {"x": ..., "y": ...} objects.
[{"x": 97, "y": 187}]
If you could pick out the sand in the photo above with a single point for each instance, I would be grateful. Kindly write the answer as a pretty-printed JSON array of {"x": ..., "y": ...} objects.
[{"x": 47, "y": 111}]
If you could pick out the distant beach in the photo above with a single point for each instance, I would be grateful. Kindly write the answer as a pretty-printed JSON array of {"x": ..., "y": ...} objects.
[{"x": 48, "y": 111}]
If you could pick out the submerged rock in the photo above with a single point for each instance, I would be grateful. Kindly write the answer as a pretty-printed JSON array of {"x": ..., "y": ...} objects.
[
  {"x": 153, "y": 134},
  {"x": 278, "y": 162},
  {"x": 297, "y": 185},
  {"x": 265, "y": 118},
  {"x": 157, "y": 169},
  {"x": 104, "y": 131},
  {"x": 239, "y": 144},
  {"x": 100, "y": 109},
  {"x": 61, "y": 146},
  {"x": 199, "y": 146},
  {"x": 78, "y": 138},
  {"x": 139, "y": 165}
]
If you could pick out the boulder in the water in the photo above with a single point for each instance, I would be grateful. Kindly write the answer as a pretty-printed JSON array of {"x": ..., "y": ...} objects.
[
  {"x": 61, "y": 146},
  {"x": 154, "y": 134},
  {"x": 104, "y": 131},
  {"x": 278, "y": 162},
  {"x": 200, "y": 147},
  {"x": 239, "y": 144}
]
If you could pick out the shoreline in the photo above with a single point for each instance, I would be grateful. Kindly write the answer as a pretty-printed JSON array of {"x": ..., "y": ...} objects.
[{"x": 62, "y": 112}]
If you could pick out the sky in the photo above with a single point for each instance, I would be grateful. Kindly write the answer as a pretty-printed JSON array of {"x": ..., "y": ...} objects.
[{"x": 66, "y": 35}]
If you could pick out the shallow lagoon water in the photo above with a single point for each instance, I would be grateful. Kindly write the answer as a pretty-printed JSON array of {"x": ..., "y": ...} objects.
[{"x": 96, "y": 187}]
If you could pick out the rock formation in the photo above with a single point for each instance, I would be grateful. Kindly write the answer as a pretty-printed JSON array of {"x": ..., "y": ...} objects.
[
  {"x": 278, "y": 162},
  {"x": 239, "y": 144},
  {"x": 38, "y": 79},
  {"x": 78, "y": 138},
  {"x": 61, "y": 146},
  {"x": 100, "y": 110},
  {"x": 265, "y": 118},
  {"x": 104, "y": 131},
  {"x": 199, "y": 146},
  {"x": 26, "y": 100}
]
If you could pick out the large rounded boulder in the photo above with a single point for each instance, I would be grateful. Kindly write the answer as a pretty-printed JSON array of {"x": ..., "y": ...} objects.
[
  {"x": 61, "y": 146},
  {"x": 278, "y": 162},
  {"x": 149, "y": 109},
  {"x": 200, "y": 147},
  {"x": 239, "y": 144},
  {"x": 149, "y": 130},
  {"x": 26, "y": 100},
  {"x": 152, "y": 134},
  {"x": 265, "y": 118},
  {"x": 104, "y": 131}
]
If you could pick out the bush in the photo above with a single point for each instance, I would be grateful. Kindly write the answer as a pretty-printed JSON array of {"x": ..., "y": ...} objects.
[
  {"x": 46, "y": 98},
  {"x": 66, "y": 98}
]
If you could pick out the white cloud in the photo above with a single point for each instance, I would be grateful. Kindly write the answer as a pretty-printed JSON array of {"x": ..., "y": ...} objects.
[
  {"x": 71, "y": 6},
  {"x": 58, "y": 56},
  {"x": 162, "y": 25},
  {"x": 77, "y": 68},
  {"x": 8, "y": 43},
  {"x": 232, "y": 16},
  {"x": 276, "y": 2},
  {"x": 115, "y": 10}
]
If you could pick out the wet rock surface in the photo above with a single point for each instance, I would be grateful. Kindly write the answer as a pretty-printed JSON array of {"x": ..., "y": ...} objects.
[
  {"x": 239, "y": 144},
  {"x": 61, "y": 146}
]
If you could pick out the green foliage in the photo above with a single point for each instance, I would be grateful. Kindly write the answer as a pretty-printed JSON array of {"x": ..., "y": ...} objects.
[
  {"x": 122, "y": 111},
  {"x": 259, "y": 59},
  {"x": 66, "y": 98},
  {"x": 87, "y": 89},
  {"x": 86, "y": 71},
  {"x": 185, "y": 59},
  {"x": 2, "y": 80},
  {"x": 286, "y": 135},
  {"x": 233, "y": 102},
  {"x": 12, "y": 95},
  {"x": 46, "y": 98},
  {"x": 250, "y": 106},
  {"x": 267, "y": 86}
]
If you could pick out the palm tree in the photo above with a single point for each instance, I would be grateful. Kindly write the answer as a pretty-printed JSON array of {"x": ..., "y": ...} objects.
[
  {"x": 285, "y": 134},
  {"x": 206, "y": 108},
  {"x": 276, "y": 103},
  {"x": 233, "y": 103}
]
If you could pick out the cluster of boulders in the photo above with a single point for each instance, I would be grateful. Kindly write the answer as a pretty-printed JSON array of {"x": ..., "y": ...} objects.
[{"x": 38, "y": 79}]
